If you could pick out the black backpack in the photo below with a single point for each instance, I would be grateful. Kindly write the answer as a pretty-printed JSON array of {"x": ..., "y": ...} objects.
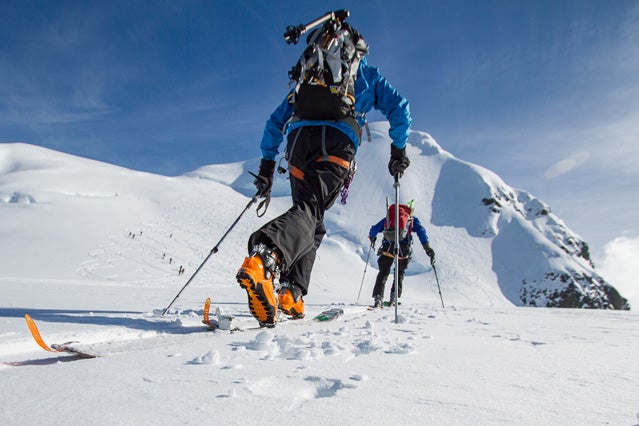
[{"x": 326, "y": 71}]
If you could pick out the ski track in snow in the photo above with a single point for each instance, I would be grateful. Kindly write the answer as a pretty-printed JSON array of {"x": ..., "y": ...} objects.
[
  {"x": 299, "y": 364},
  {"x": 307, "y": 343}
]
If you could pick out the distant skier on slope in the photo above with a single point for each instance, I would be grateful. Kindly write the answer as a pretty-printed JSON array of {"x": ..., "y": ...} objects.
[
  {"x": 322, "y": 116},
  {"x": 407, "y": 223}
]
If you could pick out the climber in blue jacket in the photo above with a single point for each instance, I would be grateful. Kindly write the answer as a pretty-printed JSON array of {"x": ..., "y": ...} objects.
[
  {"x": 386, "y": 255},
  {"x": 320, "y": 154}
]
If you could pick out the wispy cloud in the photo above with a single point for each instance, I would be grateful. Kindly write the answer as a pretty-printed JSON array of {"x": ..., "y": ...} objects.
[{"x": 566, "y": 165}]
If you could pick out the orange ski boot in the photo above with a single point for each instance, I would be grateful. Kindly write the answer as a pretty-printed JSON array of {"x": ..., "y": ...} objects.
[
  {"x": 256, "y": 277},
  {"x": 290, "y": 300}
]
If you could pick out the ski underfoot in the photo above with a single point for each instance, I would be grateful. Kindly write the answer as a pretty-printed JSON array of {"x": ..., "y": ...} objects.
[
  {"x": 229, "y": 322},
  {"x": 384, "y": 305},
  {"x": 67, "y": 347},
  {"x": 220, "y": 322}
]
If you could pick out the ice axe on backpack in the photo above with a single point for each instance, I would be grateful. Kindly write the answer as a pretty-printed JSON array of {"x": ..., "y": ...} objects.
[
  {"x": 213, "y": 250},
  {"x": 293, "y": 33}
]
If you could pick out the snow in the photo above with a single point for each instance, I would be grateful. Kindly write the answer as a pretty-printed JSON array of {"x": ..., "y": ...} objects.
[{"x": 91, "y": 251}]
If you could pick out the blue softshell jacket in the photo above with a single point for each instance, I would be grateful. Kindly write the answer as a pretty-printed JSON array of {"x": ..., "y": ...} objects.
[
  {"x": 372, "y": 91},
  {"x": 415, "y": 227}
]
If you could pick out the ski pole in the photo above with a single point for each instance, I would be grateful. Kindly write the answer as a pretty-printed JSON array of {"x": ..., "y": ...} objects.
[
  {"x": 213, "y": 250},
  {"x": 432, "y": 263},
  {"x": 365, "y": 267},
  {"x": 396, "y": 186}
]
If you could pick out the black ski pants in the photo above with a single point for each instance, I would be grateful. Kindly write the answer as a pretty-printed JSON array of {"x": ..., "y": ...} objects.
[
  {"x": 385, "y": 263},
  {"x": 317, "y": 176}
]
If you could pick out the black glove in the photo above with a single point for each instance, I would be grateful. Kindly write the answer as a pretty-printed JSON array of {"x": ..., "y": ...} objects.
[
  {"x": 264, "y": 180},
  {"x": 398, "y": 161},
  {"x": 429, "y": 251},
  {"x": 373, "y": 239}
]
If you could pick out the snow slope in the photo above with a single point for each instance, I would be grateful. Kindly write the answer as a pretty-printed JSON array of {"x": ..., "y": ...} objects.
[
  {"x": 92, "y": 252},
  {"x": 492, "y": 240}
]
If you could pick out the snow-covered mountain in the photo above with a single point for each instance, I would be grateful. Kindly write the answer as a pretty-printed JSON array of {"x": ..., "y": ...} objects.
[
  {"x": 93, "y": 253},
  {"x": 495, "y": 244}
]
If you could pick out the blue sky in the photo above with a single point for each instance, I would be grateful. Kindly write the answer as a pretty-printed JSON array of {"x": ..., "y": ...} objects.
[{"x": 544, "y": 93}]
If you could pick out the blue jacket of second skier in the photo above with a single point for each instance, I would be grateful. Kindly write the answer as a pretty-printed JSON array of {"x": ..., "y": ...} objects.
[
  {"x": 416, "y": 226},
  {"x": 372, "y": 91}
]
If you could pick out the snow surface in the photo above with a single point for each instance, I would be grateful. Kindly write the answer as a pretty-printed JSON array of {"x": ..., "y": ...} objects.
[{"x": 91, "y": 251}]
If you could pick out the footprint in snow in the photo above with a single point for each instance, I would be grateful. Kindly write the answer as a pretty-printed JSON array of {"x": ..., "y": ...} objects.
[
  {"x": 326, "y": 388},
  {"x": 207, "y": 358}
]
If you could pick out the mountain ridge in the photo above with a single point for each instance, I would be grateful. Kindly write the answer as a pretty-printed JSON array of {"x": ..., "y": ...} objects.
[{"x": 492, "y": 240}]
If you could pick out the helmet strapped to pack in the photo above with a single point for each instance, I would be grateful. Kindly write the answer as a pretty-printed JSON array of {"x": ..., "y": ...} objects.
[{"x": 325, "y": 74}]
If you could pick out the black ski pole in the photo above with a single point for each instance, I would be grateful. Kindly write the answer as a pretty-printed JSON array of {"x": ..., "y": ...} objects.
[
  {"x": 365, "y": 267},
  {"x": 396, "y": 186},
  {"x": 432, "y": 263},
  {"x": 213, "y": 250}
]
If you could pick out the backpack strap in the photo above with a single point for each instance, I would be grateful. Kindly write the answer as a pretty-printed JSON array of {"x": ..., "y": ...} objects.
[{"x": 409, "y": 234}]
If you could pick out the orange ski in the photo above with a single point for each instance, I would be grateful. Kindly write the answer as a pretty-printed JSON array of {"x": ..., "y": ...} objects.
[
  {"x": 36, "y": 334},
  {"x": 64, "y": 347}
]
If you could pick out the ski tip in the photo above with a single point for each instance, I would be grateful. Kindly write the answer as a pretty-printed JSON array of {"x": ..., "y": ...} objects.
[
  {"x": 35, "y": 333},
  {"x": 31, "y": 324},
  {"x": 329, "y": 314},
  {"x": 207, "y": 308}
]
